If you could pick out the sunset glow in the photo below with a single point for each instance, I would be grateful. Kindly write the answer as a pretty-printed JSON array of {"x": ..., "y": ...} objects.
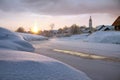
[
  {"x": 35, "y": 29},
  {"x": 60, "y": 12}
]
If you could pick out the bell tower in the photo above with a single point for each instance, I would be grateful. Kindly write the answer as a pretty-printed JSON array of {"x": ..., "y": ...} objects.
[{"x": 90, "y": 24}]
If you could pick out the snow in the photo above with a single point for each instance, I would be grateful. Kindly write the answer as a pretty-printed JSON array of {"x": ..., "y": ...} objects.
[
  {"x": 10, "y": 40},
  {"x": 104, "y": 27},
  {"x": 17, "y": 41},
  {"x": 107, "y": 50},
  {"x": 75, "y": 37},
  {"x": 16, "y": 45},
  {"x": 32, "y": 37},
  {"x": 18, "y": 64},
  {"x": 101, "y": 43},
  {"x": 7, "y": 34},
  {"x": 109, "y": 37},
  {"x": 95, "y": 68},
  {"x": 105, "y": 37}
]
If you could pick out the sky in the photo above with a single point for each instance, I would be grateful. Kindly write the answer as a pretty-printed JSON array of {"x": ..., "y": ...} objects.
[{"x": 43, "y": 13}]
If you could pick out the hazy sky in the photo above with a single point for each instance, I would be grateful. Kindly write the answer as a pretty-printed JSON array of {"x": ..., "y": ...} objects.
[{"x": 27, "y": 13}]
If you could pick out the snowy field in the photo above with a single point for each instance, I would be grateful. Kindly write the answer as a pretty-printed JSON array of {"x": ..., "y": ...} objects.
[
  {"x": 16, "y": 63},
  {"x": 99, "y": 43},
  {"x": 106, "y": 62},
  {"x": 32, "y": 37},
  {"x": 19, "y": 65},
  {"x": 111, "y": 37}
]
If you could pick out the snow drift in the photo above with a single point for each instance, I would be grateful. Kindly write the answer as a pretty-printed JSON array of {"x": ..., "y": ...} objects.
[
  {"x": 105, "y": 37},
  {"x": 16, "y": 64},
  {"x": 97, "y": 37},
  {"x": 32, "y": 37},
  {"x": 19, "y": 65},
  {"x": 10, "y": 40},
  {"x": 75, "y": 37}
]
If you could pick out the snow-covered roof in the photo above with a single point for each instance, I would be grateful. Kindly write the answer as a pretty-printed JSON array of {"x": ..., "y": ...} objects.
[{"x": 104, "y": 27}]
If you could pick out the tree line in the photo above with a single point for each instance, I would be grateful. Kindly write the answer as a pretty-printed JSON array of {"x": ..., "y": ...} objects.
[{"x": 73, "y": 29}]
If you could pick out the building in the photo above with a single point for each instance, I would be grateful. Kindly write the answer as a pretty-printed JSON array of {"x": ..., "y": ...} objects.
[
  {"x": 116, "y": 24},
  {"x": 90, "y": 25},
  {"x": 105, "y": 28}
]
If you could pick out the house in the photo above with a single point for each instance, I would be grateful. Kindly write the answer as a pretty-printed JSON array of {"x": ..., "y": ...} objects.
[
  {"x": 84, "y": 30},
  {"x": 53, "y": 33},
  {"x": 105, "y": 28},
  {"x": 116, "y": 24}
]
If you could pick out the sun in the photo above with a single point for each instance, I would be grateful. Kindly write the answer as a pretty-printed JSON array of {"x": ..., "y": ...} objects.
[{"x": 35, "y": 29}]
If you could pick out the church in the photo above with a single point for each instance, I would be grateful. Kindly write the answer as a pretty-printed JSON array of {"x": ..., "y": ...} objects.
[{"x": 90, "y": 25}]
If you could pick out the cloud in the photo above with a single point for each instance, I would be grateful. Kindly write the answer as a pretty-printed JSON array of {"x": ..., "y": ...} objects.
[
  {"x": 61, "y": 7},
  {"x": 11, "y": 6}
]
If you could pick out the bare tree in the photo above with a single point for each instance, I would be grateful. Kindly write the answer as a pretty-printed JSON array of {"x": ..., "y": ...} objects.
[
  {"x": 20, "y": 29},
  {"x": 52, "y": 26}
]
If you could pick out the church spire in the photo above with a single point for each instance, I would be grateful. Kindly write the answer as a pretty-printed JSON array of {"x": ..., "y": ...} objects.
[{"x": 90, "y": 24}]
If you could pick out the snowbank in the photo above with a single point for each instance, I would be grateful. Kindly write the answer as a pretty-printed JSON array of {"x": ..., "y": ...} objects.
[
  {"x": 10, "y": 40},
  {"x": 32, "y": 37},
  {"x": 97, "y": 37},
  {"x": 75, "y": 37},
  {"x": 8, "y": 35},
  {"x": 105, "y": 37},
  {"x": 19, "y": 65}
]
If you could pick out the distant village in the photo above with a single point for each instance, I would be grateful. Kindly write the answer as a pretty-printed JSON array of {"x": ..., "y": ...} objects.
[{"x": 75, "y": 29}]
